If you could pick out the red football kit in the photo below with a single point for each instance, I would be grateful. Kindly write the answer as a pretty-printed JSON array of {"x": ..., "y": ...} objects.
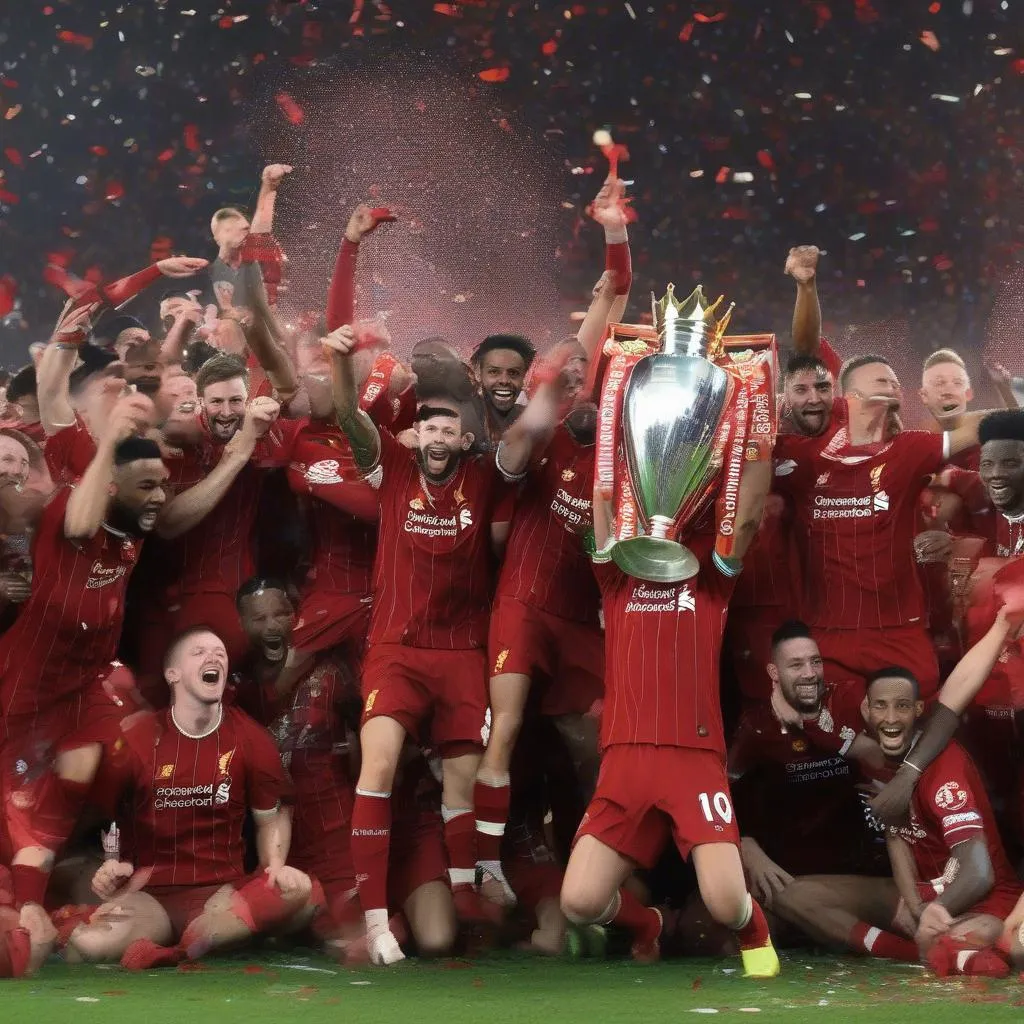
[
  {"x": 546, "y": 611},
  {"x": 342, "y": 512},
  {"x": 856, "y": 518},
  {"x": 187, "y": 803},
  {"x": 950, "y": 806},
  {"x": 210, "y": 562},
  {"x": 796, "y": 794},
  {"x": 60, "y": 648},
  {"x": 431, "y": 595},
  {"x": 663, "y": 768},
  {"x": 69, "y": 452}
]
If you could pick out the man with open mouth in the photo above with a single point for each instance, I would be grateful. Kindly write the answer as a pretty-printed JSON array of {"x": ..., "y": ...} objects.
[
  {"x": 311, "y": 705},
  {"x": 500, "y": 363},
  {"x": 189, "y": 775},
  {"x": 428, "y": 627},
  {"x": 87, "y": 542},
  {"x": 958, "y": 885}
]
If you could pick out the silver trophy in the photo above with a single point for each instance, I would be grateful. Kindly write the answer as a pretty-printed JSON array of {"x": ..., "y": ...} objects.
[{"x": 673, "y": 408}]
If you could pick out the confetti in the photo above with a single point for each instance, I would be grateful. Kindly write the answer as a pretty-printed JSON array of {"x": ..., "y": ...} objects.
[
  {"x": 494, "y": 75},
  {"x": 290, "y": 108}
]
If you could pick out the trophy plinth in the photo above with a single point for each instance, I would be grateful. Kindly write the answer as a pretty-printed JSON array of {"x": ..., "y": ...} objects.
[{"x": 655, "y": 559}]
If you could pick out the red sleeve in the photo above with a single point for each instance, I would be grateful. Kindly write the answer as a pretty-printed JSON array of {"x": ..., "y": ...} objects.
[
  {"x": 276, "y": 448},
  {"x": 341, "y": 297},
  {"x": 920, "y": 452},
  {"x": 263, "y": 248},
  {"x": 828, "y": 355},
  {"x": 617, "y": 260},
  {"x": 58, "y": 448},
  {"x": 265, "y": 784},
  {"x": 127, "y": 287},
  {"x": 793, "y": 460},
  {"x": 947, "y": 797},
  {"x": 743, "y": 751}
]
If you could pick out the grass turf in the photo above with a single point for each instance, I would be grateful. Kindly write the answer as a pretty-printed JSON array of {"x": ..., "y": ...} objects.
[{"x": 283, "y": 988}]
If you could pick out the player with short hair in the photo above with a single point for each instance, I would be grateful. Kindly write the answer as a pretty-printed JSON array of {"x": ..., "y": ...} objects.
[
  {"x": 962, "y": 886},
  {"x": 189, "y": 774},
  {"x": 55, "y": 657},
  {"x": 500, "y": 364},
  {"x": 855, "y": 495},
  {"x": 428, "y": 629}
]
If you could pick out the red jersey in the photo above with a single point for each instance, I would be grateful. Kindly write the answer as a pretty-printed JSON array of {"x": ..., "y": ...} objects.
[
  {"x": 545, "y": 565},
  {"x": 432, "y": 574},
  {"x": 69, "y": 452},
  {"x": 216, "y": 556},
  {"x": 770, "y": 566},
  {"x": 799, "y": 799},
  {"x": 312, "y": 738},
  {"x": 950, "y": 806},
  {"x": 856, "y": 518},
  {"x": 342, "y": 513},
  {"x": 189, "y": 797},
  {"x": 68, "y": 630},
  {"x": 662, "y": 648}
]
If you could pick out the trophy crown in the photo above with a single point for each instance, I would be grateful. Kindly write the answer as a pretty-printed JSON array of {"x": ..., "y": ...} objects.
[{"x": 694, "y": 316}]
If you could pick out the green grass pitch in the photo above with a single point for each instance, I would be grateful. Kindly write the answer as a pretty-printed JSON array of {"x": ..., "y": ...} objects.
[{"x": 284, "y": 988}]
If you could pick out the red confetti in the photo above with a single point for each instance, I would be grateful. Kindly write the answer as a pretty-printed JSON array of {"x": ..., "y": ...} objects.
[
  {"x": 930, "y": 40},
  {"x": 357, "y": 11},
  {"x": 191, "y": 137},
  {"x": 290, "y": 108},
  {"x": 934, "y": 8},
  {"x": 824, "y": 15},
  {"x": 254, "y": 969},
  {"x": 449, "y": 10},
  {"x": 764, "y": 158},
  {"x": 1018, "y": 65},
  {"x": 115, "y": 190},
  {"x": 549, "y": 48},
  {"x": 7, "y": 294},
  {"x": 709, "y": 19},
  {"x": 8, "y": 197},
  {"x": 166, "y": 155},
  {"x": 74, "y": 39},
  {"x": 98, "y": 150},
  {"x": 494, "y": 75},
  {"x": 723, "y": 175},
  {"x": 697, "y": 982},
  {"x": 8, "y": 83},
  {"x": 685, "y": 32},
  {"x": 226, "y": 22},
  {"x": 14, "y": 156}
]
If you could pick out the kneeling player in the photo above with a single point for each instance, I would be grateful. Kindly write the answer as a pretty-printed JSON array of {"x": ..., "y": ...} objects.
[
  {"x": 958, "y": 886},
  {"x": 190, "y": 775},
  {"x": 663, "y": 772}
]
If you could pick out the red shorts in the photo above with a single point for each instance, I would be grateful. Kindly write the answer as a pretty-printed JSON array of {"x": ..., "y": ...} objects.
[
  {"x": 998, "y": 903},
  {"x": 748, "y": 640},
  {"x": 647, "y": 793},
  {"x": 859, "y": 652},
  {"x": 184, "y": 903},
  {"x": 327, "y": 620},
  {"x": 409, "y": 683},
  {"x": 34, "y": 809},
  {"x": 524, "y": 640}
]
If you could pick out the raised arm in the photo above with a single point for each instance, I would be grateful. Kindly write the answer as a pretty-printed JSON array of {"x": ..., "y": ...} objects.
[
  {"x": 87, "y": 506},
  {"x": 263, "y": 337},
  {"x": 534, "y": 427},
  {"x": 962, "y": 686},
  {"x": 802, "y": 266},
  {"x": 187, "y": 509},
  {"x": 188, "y": 314},
  {"x": 355, "y": 424},
  {"x": 341, "y": 297},
  {"x": 270, "y": 182}
]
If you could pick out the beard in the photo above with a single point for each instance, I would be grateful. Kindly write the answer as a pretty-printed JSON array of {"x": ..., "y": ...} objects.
[
  {"x": 128, "y": 520},
  {"x": 454, "y": 458}
]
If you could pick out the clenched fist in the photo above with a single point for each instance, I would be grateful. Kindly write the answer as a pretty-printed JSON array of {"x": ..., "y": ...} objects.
[{"x": 802, "y": 263}]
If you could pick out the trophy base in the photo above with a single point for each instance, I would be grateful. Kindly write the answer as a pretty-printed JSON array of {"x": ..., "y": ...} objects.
[{"x": 655, "y": 559}]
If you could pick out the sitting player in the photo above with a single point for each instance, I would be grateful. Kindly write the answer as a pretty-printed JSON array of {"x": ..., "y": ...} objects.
[
  {"x": 190, "y": 774},
  {"x": 302, "y": 699},
  {"x": 958, "y": 886}
]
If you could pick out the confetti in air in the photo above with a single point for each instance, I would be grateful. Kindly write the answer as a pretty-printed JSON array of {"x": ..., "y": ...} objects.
[{"x": 473, "y": 250}]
